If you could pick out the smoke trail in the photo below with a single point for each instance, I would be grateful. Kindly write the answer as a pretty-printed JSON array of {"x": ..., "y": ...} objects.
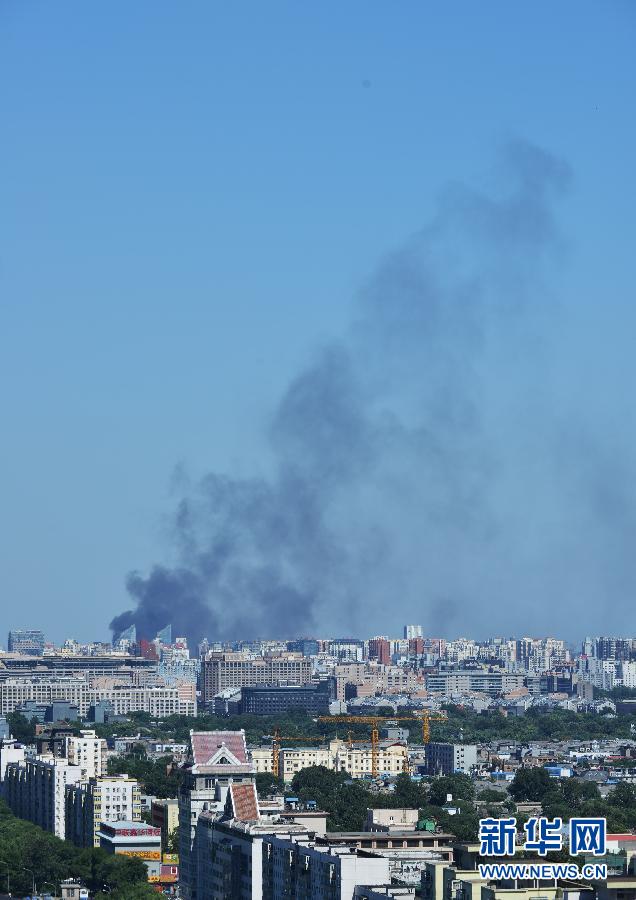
[{"x": 419, "y": 464}]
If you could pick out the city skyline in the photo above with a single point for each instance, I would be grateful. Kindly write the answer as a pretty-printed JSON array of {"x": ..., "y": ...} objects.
[{"x": 316, "y": 321}]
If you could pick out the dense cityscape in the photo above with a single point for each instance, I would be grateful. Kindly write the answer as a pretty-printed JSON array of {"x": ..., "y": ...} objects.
[{"x": 275, "y": 768}]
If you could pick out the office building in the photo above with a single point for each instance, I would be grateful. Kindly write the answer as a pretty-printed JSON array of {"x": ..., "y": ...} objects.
[
  {"x": 447, "y": 759},
  {"x": 306, "y": 646},
  {"x": 128, "y": 635},
  {"x": 103, "y": 799},
  {"x": 270, "y": 700},
  {"x": 26, "y": 643},
  {"x": 165, "y": 635},
  {"x": 158, "y": 700},
  {"x": 220, "y": 671},
  {"x": 346, "y": 650},
  {"x": 338, "y": 756},
  {"x": 462, "y": 681}
]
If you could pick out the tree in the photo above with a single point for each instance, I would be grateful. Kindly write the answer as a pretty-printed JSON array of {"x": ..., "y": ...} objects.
[
  {"x": 267, "y": 783},
  {"x": 623, "y": 796},
  {"x": 530, "y": 784},
  {"x": 318, "y": 783},
  {"x": 489, "y": 795},
  {"x": 22, "y": 729},
  {"x": 460, "y": 786},
  {"x": 172, "y": 844},
  {"x": 408, "y": 793},
  {"x": 25, "y": 846}
]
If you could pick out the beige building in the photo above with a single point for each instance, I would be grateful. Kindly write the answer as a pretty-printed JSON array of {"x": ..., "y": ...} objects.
[
  {"x": 220, "y": 671},
  {"x": 338, "y": 756},
  {"x": 165, "y": 815}
]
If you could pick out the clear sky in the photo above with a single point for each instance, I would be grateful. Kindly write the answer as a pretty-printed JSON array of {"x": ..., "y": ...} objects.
[{"x": 191, "y": 197}]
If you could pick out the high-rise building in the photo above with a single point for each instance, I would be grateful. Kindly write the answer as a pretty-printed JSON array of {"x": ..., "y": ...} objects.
[
  {"x": 29, "y": 643},
  {"x": 165, "y": 635},
  {"x": 413, "y": 631},
  {"x": 380, "y": 649},
  {"x": 105, "y": 799},
  {"x": 217, "y": 760},
  {"x": 128, "y": 635},
  {"x": 88, "y": 752},
  {"x": 613, "y": 648},
  {"x": 35, "y": 790}
]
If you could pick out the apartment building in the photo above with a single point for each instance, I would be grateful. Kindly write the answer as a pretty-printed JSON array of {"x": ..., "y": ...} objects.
[
  {"x": 88, "y": 752},
  {"x": 36, "y": 790},
  {"x": 100, "y": 799},
  {"x": 220, "y": 671},
  {"x": 265, "y": 859},
  {"x": 10, "y": 752}
]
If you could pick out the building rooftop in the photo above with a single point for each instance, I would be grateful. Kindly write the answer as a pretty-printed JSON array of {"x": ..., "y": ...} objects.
[
  {"x": 218, "y": 752},
  {"x": 244, "y": 802},
  {"x": 130, "y": 829}
]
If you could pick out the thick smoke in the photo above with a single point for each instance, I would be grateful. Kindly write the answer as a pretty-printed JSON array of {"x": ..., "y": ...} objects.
[{"x": 426, "y": 466}]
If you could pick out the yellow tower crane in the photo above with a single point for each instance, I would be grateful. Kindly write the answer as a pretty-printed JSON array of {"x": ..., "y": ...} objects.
[
  {"x": 277, "y": 737},
  {"x": 425, "y": 717}
]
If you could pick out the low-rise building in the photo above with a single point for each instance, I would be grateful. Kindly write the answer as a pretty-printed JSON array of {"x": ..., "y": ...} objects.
[
  {"x": 338, "y": 756},
  {"x": 133, "y": 839}
]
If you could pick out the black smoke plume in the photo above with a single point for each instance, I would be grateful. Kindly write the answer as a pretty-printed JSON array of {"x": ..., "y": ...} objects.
[{"x": 423, "y": 469}]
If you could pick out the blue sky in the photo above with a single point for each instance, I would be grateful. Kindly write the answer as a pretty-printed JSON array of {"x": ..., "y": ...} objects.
[{"x": 191, "y": 195}]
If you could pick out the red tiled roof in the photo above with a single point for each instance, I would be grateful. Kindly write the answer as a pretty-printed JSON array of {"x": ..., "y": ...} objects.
[
  {"x": 244, "y": 802},
  {"x": 219, "y": 750}
]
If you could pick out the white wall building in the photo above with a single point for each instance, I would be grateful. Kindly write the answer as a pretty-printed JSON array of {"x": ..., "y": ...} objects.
[
  {"x": 35, "y": 790},
  {"x": 88, "y": 752},
  {"x": 10, "y": 752}
]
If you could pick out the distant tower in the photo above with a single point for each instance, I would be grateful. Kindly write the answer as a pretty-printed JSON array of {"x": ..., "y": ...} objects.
[
  {"x": 413, "y": 631},
  {"x": 128, "y": 634},
  {"x": 28, "y": 643},
  {"x": 165, "y": 635}
]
